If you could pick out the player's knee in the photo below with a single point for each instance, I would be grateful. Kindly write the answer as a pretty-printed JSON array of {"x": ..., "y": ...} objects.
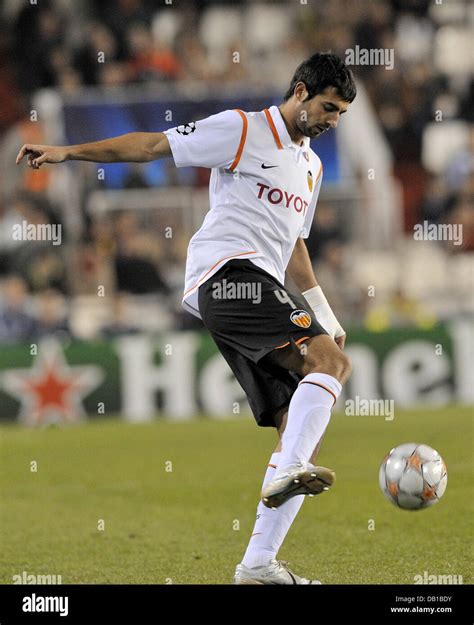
[
  {"x": 339, "y": 366},
  {"x": 345, "y": 365},
  {"x": 333, "y": 362}
]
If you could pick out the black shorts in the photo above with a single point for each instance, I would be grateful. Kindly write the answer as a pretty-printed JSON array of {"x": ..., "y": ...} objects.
[{"x": 249, "y": 314}]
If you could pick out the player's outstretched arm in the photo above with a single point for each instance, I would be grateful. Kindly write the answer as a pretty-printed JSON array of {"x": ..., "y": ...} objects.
[{"x": 136, "y": 147}]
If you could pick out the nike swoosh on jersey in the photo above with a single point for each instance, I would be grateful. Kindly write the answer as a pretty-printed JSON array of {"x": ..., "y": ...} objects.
[{"x": 268, "y": 166}]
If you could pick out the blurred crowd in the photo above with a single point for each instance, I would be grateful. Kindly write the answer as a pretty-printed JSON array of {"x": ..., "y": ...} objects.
[
  {"x": 120, "y": 257},
  {"x": 119, "y": 42},
  {"x": 113, "y": 44}
]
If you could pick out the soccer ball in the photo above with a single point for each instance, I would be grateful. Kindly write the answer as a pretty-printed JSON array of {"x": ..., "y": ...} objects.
[{"x": 413, "y": 476}]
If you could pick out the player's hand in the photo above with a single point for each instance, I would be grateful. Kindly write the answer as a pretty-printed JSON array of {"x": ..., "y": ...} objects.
[
  {"x": 324, "y": 315},
  {"x": 37, "y": 155}
]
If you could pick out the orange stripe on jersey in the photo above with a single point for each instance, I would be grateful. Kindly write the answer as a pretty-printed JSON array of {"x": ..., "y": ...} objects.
[
  {"x": 322, "y": 386},
  {"x": 319, "y": 175},
  {"x": 215, "y": 265},
  {"x": 273, "y": 129},
  {"x": 243, "y": 138},
  {"x": 273, "y": 466}
]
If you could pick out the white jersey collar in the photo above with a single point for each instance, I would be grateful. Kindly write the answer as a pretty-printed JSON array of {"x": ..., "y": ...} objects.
[{"x": 283, "y": 134}]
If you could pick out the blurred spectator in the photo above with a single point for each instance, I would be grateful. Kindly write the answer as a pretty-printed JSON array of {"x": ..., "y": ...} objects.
[
  {"x": 94, "y": 258},
  {"x": 136, "y": 258},
  {"x": 12, "y": 177},
  {"x": 150, "y": 60},
  {"x": 370, "y": 30},
  {"x": 100, "y": 40},
  {"x": 42, "y": 26},
  {"x": 461, "y": 166},
  {"x": 119, "y": 324},
  {"x": 136, "y": 178},
  {"x": 437, "y": 200},
  {"x": 46, "y": 270},
  {"x": 10, "y": 216},
  {"x": 119, "y": 15},
  {"x": 69, "y": 80},
  {"x": 235, "y": 69},
  {"x": 51, "y": 315},
  {"x": 326, "y": 229},
  {"x": 195, "y": 64},
  {"x": 113, "y": 74},
  {"x": 462, "y": 212},
  {"x": 39, "y": 262},
  {"x": 449, "y": 197},
  {"x": 399, "y": 310},
  {"x": 16, "y": 322},
  {"x": 335, "y": 273}
]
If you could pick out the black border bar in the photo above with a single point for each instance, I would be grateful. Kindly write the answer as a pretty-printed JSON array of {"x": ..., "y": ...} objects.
[{"x": 239, "y": 605}]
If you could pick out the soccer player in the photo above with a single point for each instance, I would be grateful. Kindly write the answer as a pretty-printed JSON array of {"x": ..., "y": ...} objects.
[{"x": 284, "y": 347}]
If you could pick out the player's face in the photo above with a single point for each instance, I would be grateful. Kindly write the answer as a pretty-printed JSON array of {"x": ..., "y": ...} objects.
[{"x": 319, "y": 114}]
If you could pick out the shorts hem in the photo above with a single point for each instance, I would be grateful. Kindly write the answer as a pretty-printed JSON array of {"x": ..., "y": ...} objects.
[{"x": 291, "y": 341}]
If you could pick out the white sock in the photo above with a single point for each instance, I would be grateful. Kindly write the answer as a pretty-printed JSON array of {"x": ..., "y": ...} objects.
[
  {"x": 308, "y": 416},
  {"x": 271, "y": 526}
]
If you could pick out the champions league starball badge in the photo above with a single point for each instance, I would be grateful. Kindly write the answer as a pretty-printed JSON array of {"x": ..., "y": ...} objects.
[{"x": 186, "y": 129}]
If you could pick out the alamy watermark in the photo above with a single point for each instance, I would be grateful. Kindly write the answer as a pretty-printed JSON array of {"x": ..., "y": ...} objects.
[
  {"x": 372, "y": 56},
  {"x": 426, "y": 578},
  {"x": 438, "y": 232},
  {"x": 237, "y": 290},
  {"x": 29, "y": 578},
  {"x": 38, "y": 603},
  {"x": 37, "y": 232},
  {"x": 360, "y": 407}
]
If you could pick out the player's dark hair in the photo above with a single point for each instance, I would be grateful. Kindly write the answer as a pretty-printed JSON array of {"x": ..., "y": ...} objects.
[{"x": 323, "y": 70}]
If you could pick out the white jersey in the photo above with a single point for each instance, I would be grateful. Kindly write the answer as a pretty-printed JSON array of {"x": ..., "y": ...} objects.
[{"x": 262, "y": 192}]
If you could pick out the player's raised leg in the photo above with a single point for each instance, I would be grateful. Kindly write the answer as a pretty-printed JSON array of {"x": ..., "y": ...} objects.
[{"x": 324, "y": 368}]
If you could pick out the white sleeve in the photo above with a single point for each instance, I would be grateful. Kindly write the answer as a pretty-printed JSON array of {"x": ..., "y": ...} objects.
[
  {"x": 210, "y": 142},
  {"x": 308, "y": 220}
]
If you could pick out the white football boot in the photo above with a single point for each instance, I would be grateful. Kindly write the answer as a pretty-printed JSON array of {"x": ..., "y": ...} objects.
[
  {"x": 297, "y": 479},
  {"x": 277, "y": 572}
]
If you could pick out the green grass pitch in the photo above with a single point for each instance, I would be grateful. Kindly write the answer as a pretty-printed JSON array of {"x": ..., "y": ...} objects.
[{"x": 188, "y": 522}]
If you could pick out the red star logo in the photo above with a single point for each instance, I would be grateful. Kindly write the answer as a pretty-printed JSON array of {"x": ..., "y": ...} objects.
[{"x": 51, "y": 390}]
